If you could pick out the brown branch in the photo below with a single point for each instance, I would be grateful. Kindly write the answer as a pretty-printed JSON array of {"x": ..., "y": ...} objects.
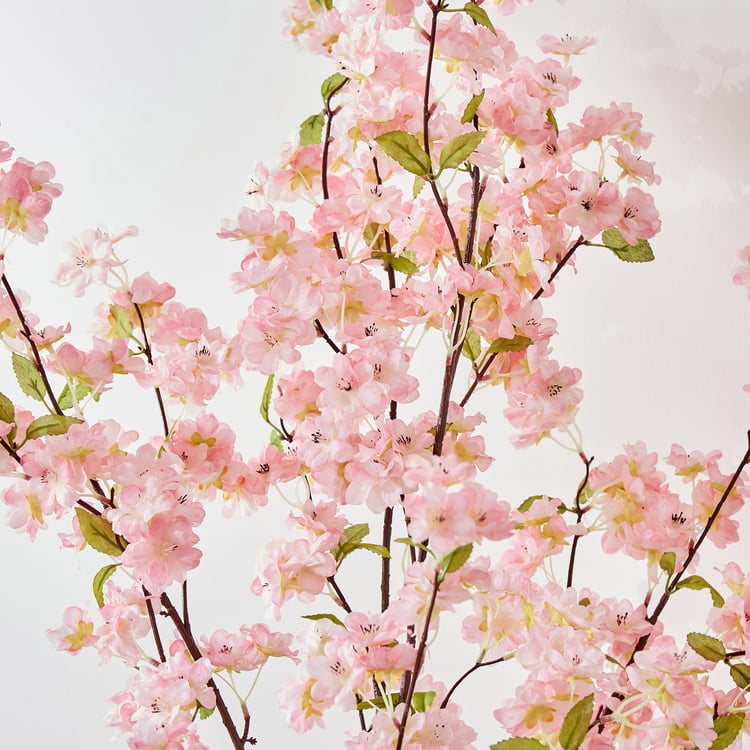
[{"x": 579, "y": 515}]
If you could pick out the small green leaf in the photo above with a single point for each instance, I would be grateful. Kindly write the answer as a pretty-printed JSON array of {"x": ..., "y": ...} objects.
[
  {"x": 417, "y": 187},
  {"x": 65, "y": 399},
  {"x": 122, "y": 326},
  {"x": 378, "y": 702},
  {"x": 667, "y": 562},
  {"x": 472, "y": 107},
  {"x": 479, "y": 15},
  {"x": 455, "y": 560},
  {"x": 378, "y": 549},
  {"x": 332, "y": 85},
  {"x": 265, "y": 401},
  {"x": 7, "y": 410},
  {"x": 458, "y": 149},
  {"x": 50, "y": 424},
  {"x": 28, "y": 377},
  {"x": 528, "y": 502},
  {"x": 203, "y": 712},
  {"x": 727, "y": 730},
  {"x": 641, "y": 252},
  {"x": 740, "y": 673},
  {"x": 518, "y": 343},
  {"x": 324, "y": 616},
  {"x": 276, "y": 440},
  {"x": 100, "y": 579},
  {"x": 420, "y": 702},
  {"x": 707, "y": 646},
  {"x": 519, "y": 743},
  {"x": 98, "y": 533},
  {"x": 397, "y": 262},
  {"x": 697, "y": 583},
  {"x": 575, "y": 725},
  {"x": 356, "y": 532},
  {"x": 553, "y": 121},
  {"x": 412, "y": 543},
  {"x": 311, "y": 130},
  {"x": 472, "y": 346},
  {"x": 404, "y": 148}
]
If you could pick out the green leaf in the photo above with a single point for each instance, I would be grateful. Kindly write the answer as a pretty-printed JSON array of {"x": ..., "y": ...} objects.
[
  {"x": 332, "y": 85},
  {"x": 575, "y": 725},
  {"x": 641, "y": 252},
  {"x": 528, "y": 502},
  {"x": 203, "y": 712},
  {"x": 518, "y": 343},
  {"x": 458, "y": 149},
  {"x": 519, "y": 743},
  {"x": 420, "y": 702},
  {"x": 265, "y": 401},
  {"x": 122, "y": 326},
  {"x": 378, "y": 549},
  {"x": 667, "y": 562},
  {"x": 404, "y": 148},
  {"x": 696, "y": 583},
  {"x": 98, "y": 533},
  {"x": 325, "y": 4},
  {"x": 455, "y": 560},
  {"x": 65, "y": 399},
  {"x": 50, "y": 424},
  {"x": 28, "y": 377},
  {"x": 7, "y": 410},
  {"x": 324, "y": 616},
  {"x": 727, "y": 729},
  {"x": 479, "y": 15},
  {"x": 472, "y": 107},
  {"x": 397, "y": 262},
  {"x": 276, "y": 440},
  {"x": 553, "y": 121},
  {"x": 311, "y": 130},
  {"x": 417, "y": 187},
  {"x": 707, "y": 646},
  {"x": 379, "y": 702},
  {"x": 740, "y": 673},
  {"x": 356, "y": 532},
  {"x": 100, "y": 579},
  {"x": 472, "y": 346}
]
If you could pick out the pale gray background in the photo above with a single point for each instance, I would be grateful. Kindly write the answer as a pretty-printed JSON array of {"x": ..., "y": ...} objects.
[{"x": 153, "y": 114}]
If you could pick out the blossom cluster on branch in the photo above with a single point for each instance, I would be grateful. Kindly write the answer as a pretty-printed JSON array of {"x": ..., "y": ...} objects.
[{"x": 431, "y": 202}]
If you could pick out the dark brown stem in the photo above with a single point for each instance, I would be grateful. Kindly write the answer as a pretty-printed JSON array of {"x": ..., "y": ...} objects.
[
  {"x": 149, "y": 357},
  {"x": 340, "y": 594},
  {"x": 185, "y": 611},
  {"x": 324, "y": 167},
  {"x": 579, "y": 515},
  {"x": 418, "y": 662},
  {"x": 385, "y": 565},
  {"x": 482, "y": 371},
  {"x": 154, "y": 626},
  {"x": 322, "y": 333},
  {"x": 28, "y": 335},
  {"x": 195, "y": 652},
  {"x": 469, "y": 671},
  {"x": 672, "y": 587}
]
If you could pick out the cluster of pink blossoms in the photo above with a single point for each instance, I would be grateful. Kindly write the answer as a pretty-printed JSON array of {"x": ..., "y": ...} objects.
[{"x": 436, "y": 228}]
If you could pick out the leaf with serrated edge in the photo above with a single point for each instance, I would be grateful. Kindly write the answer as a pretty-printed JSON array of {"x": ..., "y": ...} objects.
[
  {"x": 377, "y": 549},
  {"x": 356, "y": 532},
  {"x": 399, "y": 263},
  {"x": 575, "y": 725},
  {"x": 641, "y": 252},
  {"x": 518, "y": 343},
  {"x": 50, "y": 424},
  {"x": 332, "y": 85},
  {"x": 65, "y": 399},
  {"x": 727, "y": 729},
  {"x": 472, "y": 346},
  {"x": 7, "y": 410},
  {"x": 697, "y": 583},
  {"x": 528, "y": 502},
  {"x": 479, "y": 15},
  {"x": 459, "y": 149},
  {"x": 519, "y": 743},
  {"x": 311, "y": 130},
  {"x": 707, "y": 646},
  {"x": 265, "y": 401},
  {"x": 404, "y": 148},
  {"x": 100, "y": 579},
  {"x": 28, "y": 377},
  {"x": 324, "y": 616},
  {"x": 98, "y": 533},
  {"x": 472, "y": 107},
  {"x": 740, "y": 673}
]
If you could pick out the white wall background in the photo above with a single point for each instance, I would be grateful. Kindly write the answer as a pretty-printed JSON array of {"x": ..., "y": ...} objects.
[{"x": 153, "y": 114}]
